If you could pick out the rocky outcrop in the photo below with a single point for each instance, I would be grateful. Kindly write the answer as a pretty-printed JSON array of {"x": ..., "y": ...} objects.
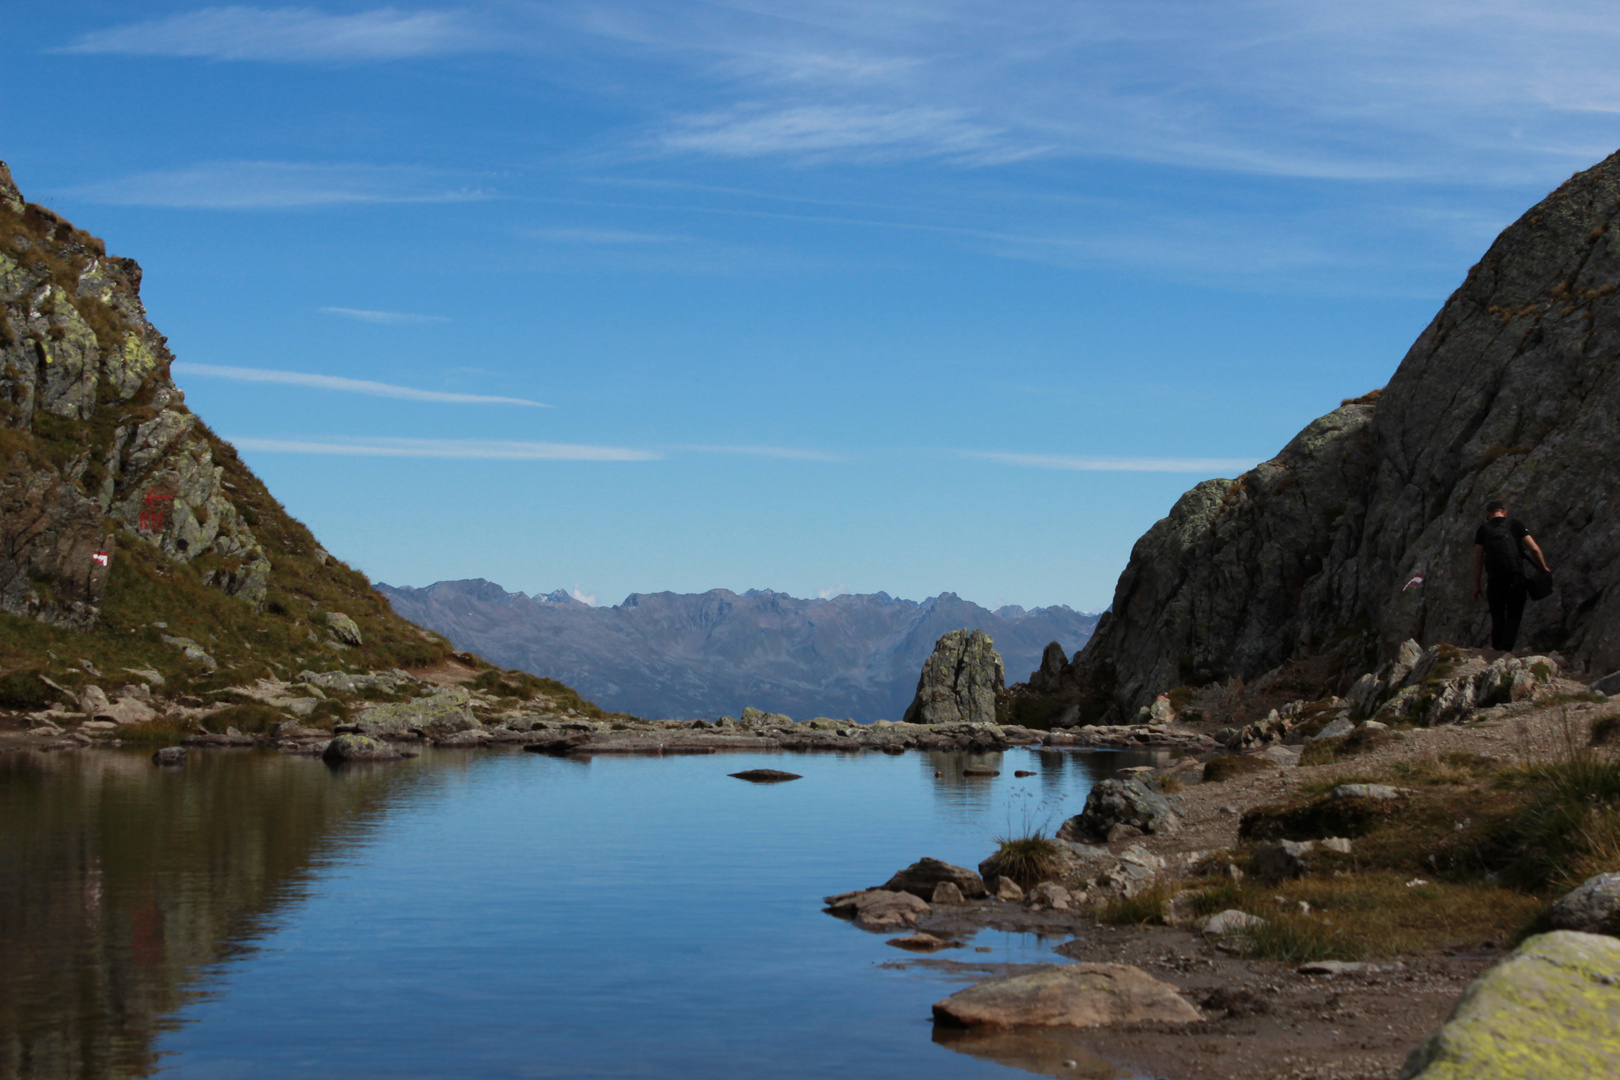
[
  {"x": 1067, "y": 995},
  {"x": 959, "y": 681},
  {"x": 923, "y": 877},
  {"x": 100, "y": 449},
  {"x": 1358, "y": 535},
  {"x": 1550, "y": 1009}
]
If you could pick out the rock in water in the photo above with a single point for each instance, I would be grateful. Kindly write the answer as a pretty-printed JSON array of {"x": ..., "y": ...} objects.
[
  {"x": 1549, "y": 1010},
  {"x": 352, "y": 747},
  {"x": 170, "y": 755},
  {"x": 1512, "y": 390},
  {"x": 959, "y": 681},
  {"x": 765, "y": 776},
  {"x": 924, "y": 876},
  {"x": 1067, "y": 995}
]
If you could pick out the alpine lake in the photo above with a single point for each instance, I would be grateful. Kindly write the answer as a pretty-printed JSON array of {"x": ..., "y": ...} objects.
[{"x": 490, "y": 914}]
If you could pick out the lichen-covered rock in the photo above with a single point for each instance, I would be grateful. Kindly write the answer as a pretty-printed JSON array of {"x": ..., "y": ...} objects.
[
  {"x": 441, "y": 712},
  {"x": 879, "y": 910},
  {"x": 1067, "y": 995},
  {"x": 959, "y": 681},
  {"x": 1512, "y": 391},
  {"x": 1131, "y": 801},
  {"x": 1550, "y": 1010},
  {"x": 343, "y": 628},
  {"x": 116, "y": 452},
  {"x": 355, "y": 747}
]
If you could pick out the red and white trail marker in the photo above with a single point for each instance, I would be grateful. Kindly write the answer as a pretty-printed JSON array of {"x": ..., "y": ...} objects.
[{"x": 102, "y": 557}]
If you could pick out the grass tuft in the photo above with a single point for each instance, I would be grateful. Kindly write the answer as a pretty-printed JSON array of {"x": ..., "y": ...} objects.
[
  {"x": 1144, "y": 908},
  {"x": 1028, "y": 860},
  {"x": 1221, "y": 769}
]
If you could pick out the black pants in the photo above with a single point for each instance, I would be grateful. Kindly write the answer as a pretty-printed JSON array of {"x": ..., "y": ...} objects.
[{"x": 1507, "y": 609}]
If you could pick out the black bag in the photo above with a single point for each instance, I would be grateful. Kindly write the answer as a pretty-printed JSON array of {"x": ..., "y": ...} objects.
[
  {"x": 1537, "y": 582},
  {"x": 1503, "y": 557}
]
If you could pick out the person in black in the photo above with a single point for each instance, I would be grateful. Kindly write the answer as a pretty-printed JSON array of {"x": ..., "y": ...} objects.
[{"x": 1496, "y": 550}]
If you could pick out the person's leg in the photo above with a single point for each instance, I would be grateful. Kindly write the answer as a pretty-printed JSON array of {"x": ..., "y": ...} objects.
[
  {"x": 1514, "y": 610},
  {"x": 1497, "y": 597}
]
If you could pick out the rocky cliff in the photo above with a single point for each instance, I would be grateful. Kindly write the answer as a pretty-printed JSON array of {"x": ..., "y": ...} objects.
[
  {"x": 713, "y": 653},
  {"x": 123, "y": 518},
  {"x": 1513, "y": 391}
]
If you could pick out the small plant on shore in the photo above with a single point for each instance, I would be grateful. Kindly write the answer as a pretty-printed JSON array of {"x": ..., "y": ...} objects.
[
  {"x": 1028, "y": 860},
  {"x": 1168, "y": 783},
  {"x": 164, "y": 731},
  {"x": 1295, "y": 938},
  {"x": 1141, "y": 909}
]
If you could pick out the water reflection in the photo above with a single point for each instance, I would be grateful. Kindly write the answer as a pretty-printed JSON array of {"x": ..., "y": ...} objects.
[
  {"x": 120, "y": 883},
  {"x": 1046, "y": 1051}
]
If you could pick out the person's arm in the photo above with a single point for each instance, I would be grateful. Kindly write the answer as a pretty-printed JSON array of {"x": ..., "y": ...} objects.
[
  {"x": 1479, "y": 564},
  {"x": 1530, "y": 542}
]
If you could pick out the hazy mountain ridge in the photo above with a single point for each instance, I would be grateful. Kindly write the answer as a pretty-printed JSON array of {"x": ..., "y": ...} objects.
[{"x": 712, "y": 653}]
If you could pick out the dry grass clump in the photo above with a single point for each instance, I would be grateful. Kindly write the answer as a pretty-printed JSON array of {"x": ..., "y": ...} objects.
[
  {"x": 1144, "y": 908},
  {"x": 1225, "y": 767},
  {"x": 1028, "y": 860}
]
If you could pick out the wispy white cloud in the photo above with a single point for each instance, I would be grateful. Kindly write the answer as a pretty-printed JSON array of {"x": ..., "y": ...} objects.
[
  {"x": 384, "y": 318},
  {"x": 607, "y": 237},
  {"x": 848, "y": 131},
  {"x": 351, "y": 386},
  {"x": 455, "y": 449},
  {"x": 587, "y": 598},
  {"x": 832, "y": 591},
  {"x": 787, "y": 452},
  {"x": 1207, "y": 466},
  {"x": 276, "y": 185},
  {"x": 298, "y": 34}
]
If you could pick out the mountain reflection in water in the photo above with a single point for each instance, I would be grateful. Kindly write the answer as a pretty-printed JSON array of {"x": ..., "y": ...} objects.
[
  {"x": 120, "y": 883},
  {"x": 487, "y": 914}
]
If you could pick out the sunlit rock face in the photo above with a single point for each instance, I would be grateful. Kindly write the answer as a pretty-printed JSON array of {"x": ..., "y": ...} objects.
[
  {"x": 97, "y": 447},
  {"x": 1513, "y": 391}
]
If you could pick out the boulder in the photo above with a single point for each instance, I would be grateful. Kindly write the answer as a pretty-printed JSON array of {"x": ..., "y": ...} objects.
[
  {"x": 1593, "y": 907},
  {"x": 1551, "y": 1009},
  {"x": 441, "y": 712},
  {"x": 1283, "y": 859},
  {"x": 1366, "y": 791},
  {"x": 1131, "y": 801},
  {"x": 1067, "y": 995},
  {"x": 946, "y": 892},
  {"x": 345, "y": 748},
  {"x": 1048, "y": 896},
  {"x": 878, "y": 910},
  {"x": 1231, "y": 921},
  {"x": 922, "y": 877},
  {"x": 758, "y": 718},
  {"x": 343, "y": 628},
  {"x": 93, "y": 701},
  {"x": 170, "y": 755},
  {"x": 1609, "y": 684},
  {"x": 959, "y": 681},
  {"x": 1338, "y": 729},
  {"x": 1005, "y": 888},
  {"x": 128, "y": 710}
]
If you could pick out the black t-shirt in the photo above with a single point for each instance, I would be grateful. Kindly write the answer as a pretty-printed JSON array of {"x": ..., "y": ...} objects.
[{"x": 1500, "y": 538}]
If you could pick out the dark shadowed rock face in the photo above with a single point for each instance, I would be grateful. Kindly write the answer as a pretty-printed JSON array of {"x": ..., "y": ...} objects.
[
  {"x": 713, "y": 653},
  {"x": 1512, "y": 391}
]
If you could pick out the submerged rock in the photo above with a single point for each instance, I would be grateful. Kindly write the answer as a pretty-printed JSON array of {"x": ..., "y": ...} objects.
[
  {"x": 765, "y": 776},
  {"x": 1067, "y": 995},
  {"x": 170, "y": 755}
]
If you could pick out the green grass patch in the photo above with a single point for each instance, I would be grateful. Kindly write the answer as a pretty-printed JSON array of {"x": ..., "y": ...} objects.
[
  {"x": 251, "y": 719},
  {"x": 164, "y": 731}
]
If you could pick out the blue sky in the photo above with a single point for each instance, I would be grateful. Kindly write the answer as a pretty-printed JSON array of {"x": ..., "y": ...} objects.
[{"x": 804, "y": 295}]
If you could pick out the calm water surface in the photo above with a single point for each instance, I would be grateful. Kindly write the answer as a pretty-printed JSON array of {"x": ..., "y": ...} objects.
[{"x": 479, "y": 914}]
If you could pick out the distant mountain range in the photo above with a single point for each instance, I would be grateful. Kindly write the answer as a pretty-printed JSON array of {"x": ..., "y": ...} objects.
[{"x": 663, "y": 655}]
